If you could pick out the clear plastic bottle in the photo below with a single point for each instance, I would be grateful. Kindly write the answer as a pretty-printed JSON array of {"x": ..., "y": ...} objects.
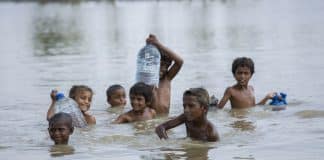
[
  {"x": 148, "y": 65},
  {"x": 68, "y": 105}
]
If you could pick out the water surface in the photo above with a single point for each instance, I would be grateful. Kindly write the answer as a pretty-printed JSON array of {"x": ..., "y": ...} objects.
[{"x": 56, "y": 45}]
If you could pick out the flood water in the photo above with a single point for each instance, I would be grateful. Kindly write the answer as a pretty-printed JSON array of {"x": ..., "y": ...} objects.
[{"x": 55, "y": 45}]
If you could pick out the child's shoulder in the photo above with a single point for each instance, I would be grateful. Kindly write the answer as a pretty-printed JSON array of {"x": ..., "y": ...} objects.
[
  {"x": 210, "y": 125},
  {"x": 230, "y": 89},
  {"x": 151, "y": 111},
  {"x": 251, "y": 87}
]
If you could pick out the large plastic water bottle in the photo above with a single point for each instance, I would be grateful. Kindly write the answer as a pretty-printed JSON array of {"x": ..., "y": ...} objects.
[
  {"x": 148, "y": 65},
  {"x": 68, "y": 105}
]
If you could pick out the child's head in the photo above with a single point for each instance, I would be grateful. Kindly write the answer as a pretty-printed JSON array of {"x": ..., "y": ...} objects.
[
  {"x": 195, "y": 103},
  {"x": 60, "y": 128},
  {"x": 164, "y": 65},
  {"x": 243, "y": 62},
  {"x": 82, "y": 94},
  {"x": 140, "y": 96},
  {"x": 116, "y": 95},
  {"x": 243, "y": 69}
]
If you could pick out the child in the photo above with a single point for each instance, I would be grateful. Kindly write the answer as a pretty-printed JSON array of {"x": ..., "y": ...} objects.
[
  {"x": 140, "y": 96},
  {"x": 162, "y": 94},
  {"x": 82, "y": 95},
  {"x": 60, "y": 128},
  {"x": 116, "y": 96},
  {"x": 195, "y": 107},
  {"x": 241, "y": 95}
]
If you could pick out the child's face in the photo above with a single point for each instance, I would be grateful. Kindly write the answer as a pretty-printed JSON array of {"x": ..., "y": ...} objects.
[
  {"x": 118, "y": 98},
  {"x": 138, "y": 102},
  {"x": 60, "y": 132},
  {"x": 84, "y": 99},
  {"x": 192, "y": 108},
  {"x": 242, "y": 75}
]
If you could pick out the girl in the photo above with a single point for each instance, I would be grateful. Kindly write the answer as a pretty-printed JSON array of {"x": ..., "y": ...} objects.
[{"x": 82, "y": 95}]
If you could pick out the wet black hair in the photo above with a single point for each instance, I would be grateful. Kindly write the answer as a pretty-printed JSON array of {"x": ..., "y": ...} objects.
[
  {"x": 142, "y": 89},
  {"x": 61, "y": 117},
  {"x": 243, "y": 62},
  {"x": 78, "y": 88},
  {"x": 111, "y": 89}
]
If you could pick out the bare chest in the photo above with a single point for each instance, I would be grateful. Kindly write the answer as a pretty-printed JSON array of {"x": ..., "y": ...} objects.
[
  {"x": 196, "y": 132},
  {"x": 242, "y": 99}
]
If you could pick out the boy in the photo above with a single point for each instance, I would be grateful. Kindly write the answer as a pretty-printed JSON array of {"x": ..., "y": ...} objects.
[
  {"x": 241, "y": 95},
  {"x": 195, "y": 107},
  {"x": 162, "y": 94},
  {"x": 140, "y": 97},
  {"x": 82, "y": 95},
  {"x": 60, "y": 128},
  {"x": 116, "y": 96}
]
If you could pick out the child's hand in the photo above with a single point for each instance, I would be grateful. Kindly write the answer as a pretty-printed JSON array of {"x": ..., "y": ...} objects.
[
  {"x": 89, "y": 117},
  {"x": 87, "y": 113},
  {"x": 160, "y": 131},
  {"x": 53, "y": 95},
  {"x": 152, "y": 40},
  {"x": 270, "y": 95}
]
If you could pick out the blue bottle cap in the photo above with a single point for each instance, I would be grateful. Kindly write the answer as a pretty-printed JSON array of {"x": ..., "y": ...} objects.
[{"x": 59, "y": 96}]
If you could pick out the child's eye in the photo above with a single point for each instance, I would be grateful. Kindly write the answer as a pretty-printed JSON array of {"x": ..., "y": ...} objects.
[
  {"x": 57, "y": 129},
  {"x": 61, "y": 129}
]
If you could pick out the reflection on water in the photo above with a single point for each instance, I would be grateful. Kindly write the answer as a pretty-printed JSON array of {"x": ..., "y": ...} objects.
[
  {"x": 55, "y": 34},
  {"x": 61, "y": 150},
  {"x": 250, "y": 157},
  {"x": 310, "y": 114},
  {"x": 240, "y": 113},
  {"x": 145, "y": 127},
  {"x": 187, "y": 149},
  {"x": 241, "y": 121},
  {"x": 243, "y": 125},
  {"x": 199, "y": 153}
]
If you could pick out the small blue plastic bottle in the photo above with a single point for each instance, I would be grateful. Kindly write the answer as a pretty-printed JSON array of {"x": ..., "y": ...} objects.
[
  {"x": 279, "y": 101},
  {"x": 68, "y": 105},
  {"x": 148, "y": 65}
]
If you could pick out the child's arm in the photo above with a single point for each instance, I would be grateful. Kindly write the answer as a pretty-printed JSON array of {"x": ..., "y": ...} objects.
[
  {"x": 162, "y": 128},
  {"x": 51, "y": 111},
  {"x": 266, "y": 98},
  {"x": 153, "y": 113},
  {"x": 178, "y": 61},
  {"x": 226, "y": 97},
  {"x": 121, "y": 119},
  {"x": 89, "y": 118}
]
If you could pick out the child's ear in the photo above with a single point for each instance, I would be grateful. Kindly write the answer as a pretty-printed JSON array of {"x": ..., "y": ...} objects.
[
  {"x": 71, "y": 130},
  {"x": 205, "y": 109}
]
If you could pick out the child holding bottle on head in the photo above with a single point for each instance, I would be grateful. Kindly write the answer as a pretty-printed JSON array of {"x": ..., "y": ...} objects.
[
  {"x": 140, "y": 96},
  {"x": 170, "y": 65},
  {"x": 241, "y": 94},
  {"x": 116, "y": 96},
  {"x": 194, "y": 116},
  {"x": 82, "y": 95}
]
